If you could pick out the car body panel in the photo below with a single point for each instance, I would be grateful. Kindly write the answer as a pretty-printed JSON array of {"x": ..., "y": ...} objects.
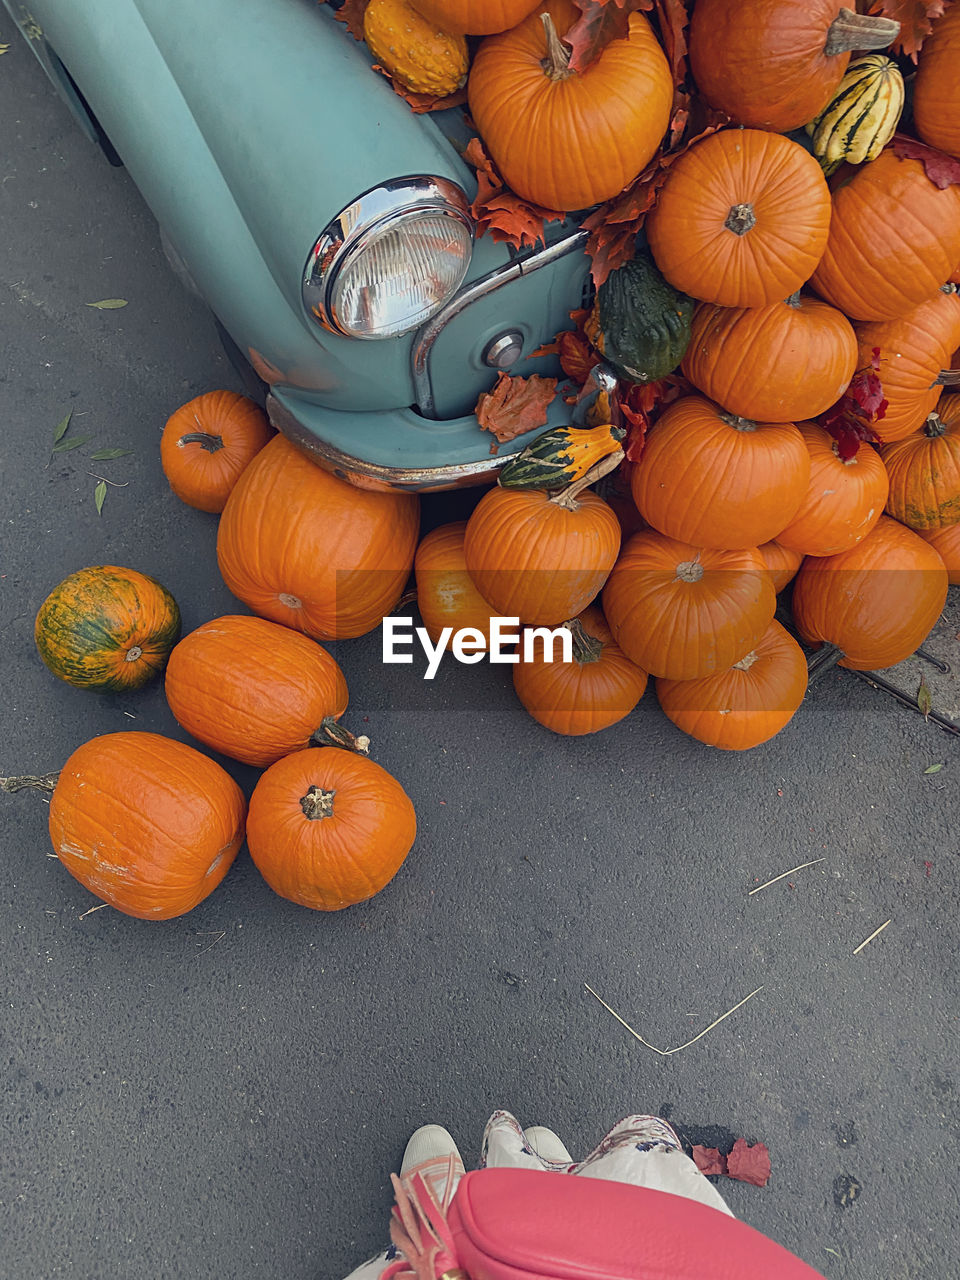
[{"x": 247, "y": 129}]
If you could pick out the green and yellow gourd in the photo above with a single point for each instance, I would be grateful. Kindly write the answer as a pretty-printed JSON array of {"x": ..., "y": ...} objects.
[
  {"x": 560, "y": 457},
  {"x": 640, "y": 324},
  {"x": 107, "y": 628},
  {"x": 861, "y": 117}
]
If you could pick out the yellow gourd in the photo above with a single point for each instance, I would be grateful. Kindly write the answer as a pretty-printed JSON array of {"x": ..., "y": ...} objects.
[{"x": 416, "y": 52}]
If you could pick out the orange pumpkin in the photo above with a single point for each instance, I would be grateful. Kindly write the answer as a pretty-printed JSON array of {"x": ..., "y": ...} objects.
[
  {"x": 711, "y": 479},
  {"x": 748, "y": 703},
  {"x": 253, "y": 690},
  {"x": 475, "y": 17},
  {"x": 913, "y": 350},
  {"x": 894, "y": 239},
  {"x": 538, "y": 558},
  {"x": 566, "y": 139},
  {"x": 599, "y": 687},
  {"x": 876, "y": 602},
  {"x": 782, "y": 563},
  {"x": 781, "y": 363},
  {"x": 147, "y": 824},
  {"x": 681, "y": 612},
  {"x": 328, "y": 829},
  {"x": 742, "y": 219},
  {"x": 844, "y": 500},
  {"x": 924, "y": 471},
  {"x": 207, "y": 443},
  {"x": 775, "y": 64},
  {"x": 946, "y": 542},
  {"x": 936, "y": 89},
  {"x": 304, "y": 549},
  {"x": 446, "y": 595}
]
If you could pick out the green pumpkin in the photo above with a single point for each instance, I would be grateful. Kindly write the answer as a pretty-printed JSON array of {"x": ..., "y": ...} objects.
[
  {"x": 107, "y": 628},
  {"x": 640, "y": 324}
]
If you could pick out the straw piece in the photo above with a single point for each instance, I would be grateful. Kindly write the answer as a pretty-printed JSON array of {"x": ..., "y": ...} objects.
[
  {"x": 665, "y": 1053},
  {"x": 873, "y": 935},
  {"x": 784, "y": 876}
]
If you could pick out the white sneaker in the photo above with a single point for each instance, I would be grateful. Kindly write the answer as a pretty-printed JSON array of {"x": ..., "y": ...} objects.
[
  {"x": 547, "y": 1145},
  {"x": 428, "y": 1153}
]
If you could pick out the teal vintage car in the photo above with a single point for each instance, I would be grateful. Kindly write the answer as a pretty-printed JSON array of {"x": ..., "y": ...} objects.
[{"x": 324, "y": 223}]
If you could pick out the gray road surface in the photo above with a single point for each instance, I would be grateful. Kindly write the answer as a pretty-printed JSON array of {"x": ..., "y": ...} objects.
[{"x": 224, "y": 1095}]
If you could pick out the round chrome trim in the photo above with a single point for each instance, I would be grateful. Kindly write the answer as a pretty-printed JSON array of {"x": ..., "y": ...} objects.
[
  {"x": 375, "y": 209},
  {"x": 504, "y": 352}
]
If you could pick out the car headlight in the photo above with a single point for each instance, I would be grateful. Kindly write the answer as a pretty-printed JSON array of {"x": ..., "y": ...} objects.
[{"x": 391, "y": 259}]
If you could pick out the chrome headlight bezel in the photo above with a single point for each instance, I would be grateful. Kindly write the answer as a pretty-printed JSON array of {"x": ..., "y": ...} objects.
[{"x": 375, "y": 211}]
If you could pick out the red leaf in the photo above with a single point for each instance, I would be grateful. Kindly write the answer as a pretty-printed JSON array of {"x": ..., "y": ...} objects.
[
  {"x": 749, "y": 1164},
  {"x": 600, "y": 22},
  {"x": 673, "y": 18},
  {"x": 850, "y": 421},
  {"x": 497, "y": 210},
  {"x": 351, "y": 15},
  {"x": 515, "y": 405},
  {"x": 942, "y": 170},
  {"x": 915, "y": 18},
  {"x": 639, "y": 405},
  {"x": 709, "y": 1161},
  {"x": 577, "y": 356}
]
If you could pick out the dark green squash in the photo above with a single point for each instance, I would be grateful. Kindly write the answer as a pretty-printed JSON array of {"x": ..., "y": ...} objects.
[
  {"x": 560, "y": 457},
  {"x": 640, "y": 324}
]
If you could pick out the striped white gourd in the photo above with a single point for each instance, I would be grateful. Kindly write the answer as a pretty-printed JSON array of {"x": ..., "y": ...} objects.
[{"x": 860, "y": 118}]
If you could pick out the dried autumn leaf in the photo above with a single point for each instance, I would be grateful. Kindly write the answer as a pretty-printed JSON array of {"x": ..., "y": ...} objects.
[
  {"x": 420, "y": 103},
  {"x": 600, "y": 22},
  {"x": 99, "y": 496},
  {"x": 108, "y": 304},
  {"x": 915, "y": 18},
  {"x": 749, "y": 1164},
  {"x": 850, "y": 421},
  {"x": 60, "y": 430},
  {"x": 515, "y": 405},
  {"x": 924, "y": 698},
  {"x": 351, "y": 15},
  {"x": 709, "y": 1161},
  {"x": 673, "y": 18},
  {"x": 496, "y": 209},
  {"x": 577, "y": 356},
  {"x": 942, "y": 170},
  {"x": 639, "y": 406}
]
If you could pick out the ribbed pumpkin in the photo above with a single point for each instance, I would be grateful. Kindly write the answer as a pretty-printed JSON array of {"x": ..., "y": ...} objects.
[
  {"x": 328, "y": 829},
  {"x": 936, "y": 89},
  {"x": 748, "y": 703},
  {"x": 742, "y": 219},
  {"x": 475, "y": 17},
  {"x": 682, "y": 612},
  {"x": 253, "y": 690},
  {"x": 416, "y": 51},
  {"x": 861, "y": 117},
  {"x": 894, "y": 239},
  {"x": 774, "y": 64},
  {"x": 107, "y": 628},
  {"x": 844, "y": 499},
  {"x": 782, "y": 563},
  {"x": 304, "y": 549},
  {"x": 946, "y": 542},
  {"x": 147, "y": 824},
  {"x": 565, "y": 139},
  {"x": 876, "y": 602},
  {"x": 537, "y": 558},
  {"x": 446, "y": 595},
  {"x": 207, "y": 443},
  {"x": 781, "y": 363},
  {"x": 913, "y": 351},
  {"x": 924, "y": 471},
  {"x": 709, "y": 478},
  {"x": 559, "y": 457},
  {"x": 599, "y": 687}
]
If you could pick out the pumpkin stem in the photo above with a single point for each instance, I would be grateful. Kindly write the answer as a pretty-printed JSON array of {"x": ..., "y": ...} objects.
[
  {"x": 317, "y": 803},
  {"x": 586, "y": 648},
  {"x": 738, "y": 423},
  {"x": 934, "y": 426},
  {"x": 793, "y": 300},
  {"x": 408, "y": 597},
  {"x": 949, "y": 287},
  {"x": 568, "y": 497},
  {"x": 746, "y": 663},
  {"x": 205, "y": 441},
  {"x": 740, "y": 219},
  {"x": 45, "y": 782},
  {"x": 690, "y": 571},
  {"x": 333, "y": 734},
  {"x": 849, "y": 31},
  {"x": 557, "y": 62},
  {"x": 948, "y": 378}
]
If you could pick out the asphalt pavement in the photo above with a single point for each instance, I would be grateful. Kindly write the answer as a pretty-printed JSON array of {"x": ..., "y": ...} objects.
[{"x": 224, "y": 1095}]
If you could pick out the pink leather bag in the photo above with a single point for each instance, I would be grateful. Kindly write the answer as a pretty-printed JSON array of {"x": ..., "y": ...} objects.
[{"x": 521, "y": 1224}]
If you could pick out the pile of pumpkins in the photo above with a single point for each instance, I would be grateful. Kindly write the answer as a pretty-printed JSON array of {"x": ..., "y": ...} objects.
[{"x": 767, "y": 288}]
